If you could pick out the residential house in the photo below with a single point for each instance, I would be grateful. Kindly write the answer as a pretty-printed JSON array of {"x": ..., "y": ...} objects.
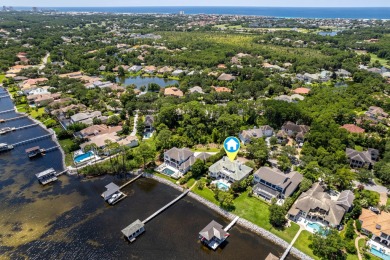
[
  {"x": 196, "y": 89},
  {"x": 95, "y": 130},
  {"x": 221, "y": 89},
  {"x": 221, "y": 66},
  {"x": 100, "y": 140},
  {"x": 282, "y": 137},
  {"x": 85, "y": 116},
  {"x": 38, "y": 91},
  {"x": 353, "y": 128},
  {"x": 173, "y": 92},
  {"x": 231, "y": 171},
  {"x": 362, "y": 159},
  {"x": 342, "y": 73},
  {"x": 247, "y": 135},
  {"x": 272, "y": 183},
  {"x": 149, "y": 120},
  {"x": 294, "y": 130},
  {"x": 376, "y": 114},
  {"x": 317, "y": 205},
  {"x": 31, "y": 83},
  {"x": 226, "y": 77},
  {"x": 165, "y": 69},
  {"x": 376, "y": 226},
  {"x": 42, "y": 100},
  {"x": 180, "y": 159},
  {"x": 301, "y": 91},
  {"x": 177, "y": 72},
  {"x": 135, "y": 68},
  {"x": 150, "y": 69},
  {"x": 290, "y": 99}
]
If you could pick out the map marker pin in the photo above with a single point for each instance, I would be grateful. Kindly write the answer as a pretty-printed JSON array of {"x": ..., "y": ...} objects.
[{"x": 231, "y": 146}]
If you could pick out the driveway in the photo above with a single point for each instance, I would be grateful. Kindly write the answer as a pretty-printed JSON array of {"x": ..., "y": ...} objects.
[{"x": 377, "y": 188}]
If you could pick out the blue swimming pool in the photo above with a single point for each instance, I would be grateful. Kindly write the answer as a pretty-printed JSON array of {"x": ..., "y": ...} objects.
[
  {"x": 379, "y": 254},
  {"x": 83, "y": 157},
  {"x": 222, "y": 186},
  {"x": 316, "y": 227},
  {"x": 168, "y": 171}
]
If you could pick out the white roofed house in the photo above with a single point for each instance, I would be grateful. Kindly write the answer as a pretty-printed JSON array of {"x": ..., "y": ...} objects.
[{"x": 230, "y": 171}]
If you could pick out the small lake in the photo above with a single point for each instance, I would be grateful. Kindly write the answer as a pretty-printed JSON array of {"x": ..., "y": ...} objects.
[
  {"x": 145, "y": 81},
  {"x": 332, "y": 33}
]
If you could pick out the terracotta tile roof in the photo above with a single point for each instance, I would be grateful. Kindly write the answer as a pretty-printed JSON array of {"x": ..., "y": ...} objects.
[
  {"x": 301, "y": 91},
  {"x": 221, "y": 89},
  {"x": 372, "y": 221},
  {"x": 353, "y": 128},
  {"x": 173, "y": 91}
]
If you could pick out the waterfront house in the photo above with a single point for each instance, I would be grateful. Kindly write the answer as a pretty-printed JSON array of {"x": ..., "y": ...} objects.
[
  {"x": 358, "y": 159},
  {"x": 132, "y": 231},
  {"x": 177, "y": 72},
  {"x": 317, "y": 205},
  {"x": 263, "y": 131},
  {"x": 85, "y": 117},
  {"x": 100, "y": 140},
  {"x": 95, "y": 130},
  {"x": 376, "y": 226},
  {"x": 213, "y": 235},
  {"x": 228, "y": 170},
  {"x": 135, "y": 68},
  {"x": 150, "y": 69},
  {"x": 179, "y": 158},
  {"x": 173, "y": 92},
  {"x": 165, "y": 69},
  {"x": 272, "y": 183}
]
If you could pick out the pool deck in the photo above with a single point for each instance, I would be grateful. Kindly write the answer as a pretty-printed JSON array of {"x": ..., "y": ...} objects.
[
  {"x": 304, "y": 223},
  {"x": 377, "y": 246}
]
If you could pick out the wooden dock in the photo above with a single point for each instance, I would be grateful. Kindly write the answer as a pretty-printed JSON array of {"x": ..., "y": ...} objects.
[
  {"x": 14, "y": 118},
  {"x": 7, "y": 111},
  {"x": 26, "y": 126},
  {"x": 4, "y": 96},
  {"x": 291, "y": 244},
  {"x": 165, "y": 207},
  {"x": 33, "y": 139},
  {"x": 131, "y": 181},
  {"x": 47, "y": 176},
  {"x": 231, "y": 224}
]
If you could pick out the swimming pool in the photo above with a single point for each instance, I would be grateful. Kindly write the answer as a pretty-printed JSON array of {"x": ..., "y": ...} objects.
[
  {"x": 379, "y": 254},
  {"x": 315, "y": 226},
  {"x": 168, "y": 171},
  {"x": 83, "y": 157},
  {"x": 222, "y": 186}
]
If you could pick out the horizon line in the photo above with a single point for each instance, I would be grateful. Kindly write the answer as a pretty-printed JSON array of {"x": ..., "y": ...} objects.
[{"x": 205, "y": 6}]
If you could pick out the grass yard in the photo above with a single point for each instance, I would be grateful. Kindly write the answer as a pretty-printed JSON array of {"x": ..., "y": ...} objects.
[
  {"x": 2, "y": 77},
  {"x": 205, "y": 193},
  {"x": 165, "y": 177},
  {"x": 190, "y": 183},
  {"x": 383, "y": 62},
  {"x": 388, "y": 202},
  {"x": 257, "y": 211},
  {"x": 68, "y": 159},
  {"x": 210, "y": 150},
  {"x": 37, "y": 113},
  {"x": 302, "y": 243},
  {"x": 21, "y": 108}
]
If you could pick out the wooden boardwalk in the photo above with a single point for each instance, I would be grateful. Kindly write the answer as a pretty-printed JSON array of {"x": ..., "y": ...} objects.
[
  {"x": 291, "y": 244},
  {"x": 26, "y": 126},
  {"x": 7, "y": 111},
  {"x": 231, "y": 223},
  {"x": 14, "y": 118},
  {"x": 165, "y": 207},
  {"x": 132, "y": 180}
]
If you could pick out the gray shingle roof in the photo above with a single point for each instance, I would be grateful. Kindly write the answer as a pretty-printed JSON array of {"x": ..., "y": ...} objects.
[
  {"x": 233, "y": 169},
  {"x": 213, "y": 229},
  {"x": 132, "y": 228},
  {"x": 179, "y": 154}
]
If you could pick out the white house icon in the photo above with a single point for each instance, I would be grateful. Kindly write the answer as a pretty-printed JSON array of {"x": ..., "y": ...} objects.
[{"x": 231, "y": 145}]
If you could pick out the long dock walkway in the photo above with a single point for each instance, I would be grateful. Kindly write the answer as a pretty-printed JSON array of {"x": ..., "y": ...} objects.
[
  {"x": 165, "y": 207},
  {"x": 4, "y": 96},
  {"x": 6, "y": 111},
  {"x": 14, "y": 118},
  {"x": 132, "y": 180},
  {"x": 291, "y": 244},
  {"x": 32, "y": 139},
  {"x": 231, "y": 224},
  {"x": 26, "y": 126}
]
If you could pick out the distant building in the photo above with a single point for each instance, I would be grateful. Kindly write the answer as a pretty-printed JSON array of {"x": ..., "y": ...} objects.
[
  {"x": 226, "y": 77},
  {"x": 133, "y": 230},
  {"x": 263, "y": 131},
  {"x": 196, "y": 89},
  {"x": 362, "y": 159},
  {"x": 173, "y": 92},
  {"x": 354, "y": 129}
]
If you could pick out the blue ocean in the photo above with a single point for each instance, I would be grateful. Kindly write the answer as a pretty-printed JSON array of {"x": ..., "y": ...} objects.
[{"x": 285, "y": 12}]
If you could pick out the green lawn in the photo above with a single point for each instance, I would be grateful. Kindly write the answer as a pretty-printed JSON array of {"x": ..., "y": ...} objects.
[
  {"x": 257, "y": 211},
  {"x": 205, "y": 193},
  {"x": 165, "y": 177},
  {"x": 210, "y": 150},
  {"x": 21, "y": 108},
  {"x": 383, "y": 62},
  {"x": 388, "y": 202},
  {"x": 68, "y": 159},
  {"x": 2, "y": 77},
  {"x": 190, "y": 183},
  {"x": 302, "y": 243},
  {"x": 35, "y": 114}
]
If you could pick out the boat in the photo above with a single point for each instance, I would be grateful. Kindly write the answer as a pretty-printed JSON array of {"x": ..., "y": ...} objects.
[
  {"x": 2, "y": 121},
  {"x": 5, "y": 147},
  {"x": 5, "y": 130},
  {"x": 35, "y": 151},
  {"x": 114, "y": 198}
]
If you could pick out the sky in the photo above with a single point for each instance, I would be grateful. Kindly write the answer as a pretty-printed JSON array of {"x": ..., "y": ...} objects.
[{"x": 275, "y": 3}]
